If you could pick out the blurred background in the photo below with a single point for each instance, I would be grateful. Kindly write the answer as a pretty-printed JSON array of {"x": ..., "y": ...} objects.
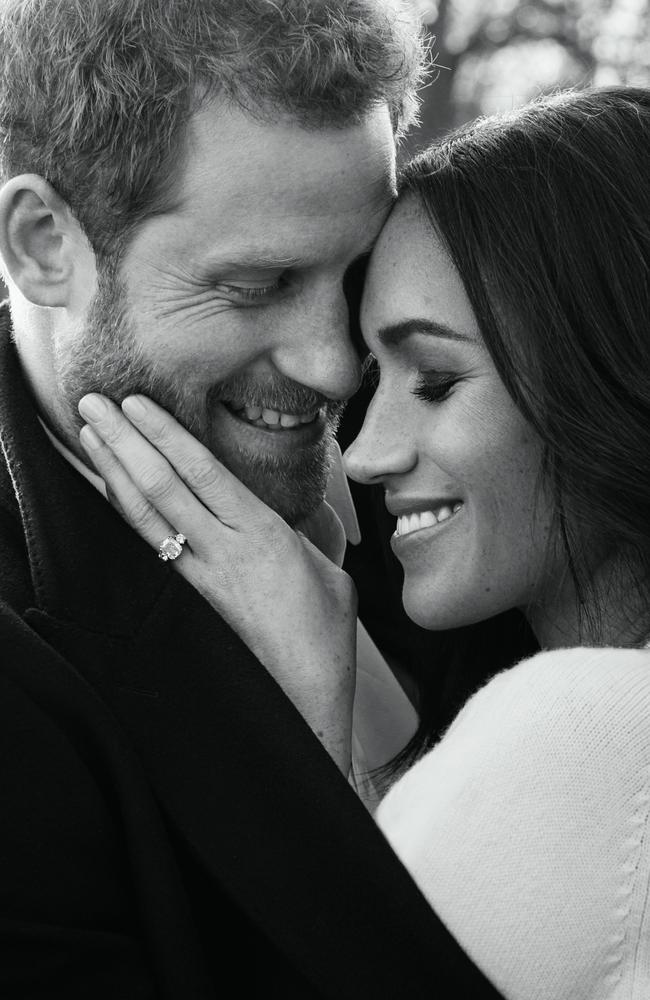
[{"x": 497, "y": 55}]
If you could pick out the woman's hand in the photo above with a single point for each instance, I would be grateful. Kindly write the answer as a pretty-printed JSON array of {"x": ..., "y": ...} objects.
[{"x": 293, "y": 607}]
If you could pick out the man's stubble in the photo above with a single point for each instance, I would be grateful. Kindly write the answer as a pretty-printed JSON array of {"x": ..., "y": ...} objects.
[{"x": 105, "y": 357}]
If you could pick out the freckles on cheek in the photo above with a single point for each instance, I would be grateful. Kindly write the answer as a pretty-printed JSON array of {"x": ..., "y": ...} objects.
[
  {"x": 509, "y": 454},
  {"x": 502, "y": 483},
  {"x": 520, "y": 493}
]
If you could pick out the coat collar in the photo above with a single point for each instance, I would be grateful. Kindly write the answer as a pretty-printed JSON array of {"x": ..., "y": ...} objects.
[{"x": 76, "y": 542}]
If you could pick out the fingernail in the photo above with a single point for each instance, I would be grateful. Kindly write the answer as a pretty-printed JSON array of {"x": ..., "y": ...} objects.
[
  {"x": 88, "y": 438},
  {"x": 93, "y": 407},
  {"x": 134, "y": 407}
]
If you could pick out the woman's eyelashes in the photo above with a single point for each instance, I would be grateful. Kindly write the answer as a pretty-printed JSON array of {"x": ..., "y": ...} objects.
[{"x": 434, "y": 386}]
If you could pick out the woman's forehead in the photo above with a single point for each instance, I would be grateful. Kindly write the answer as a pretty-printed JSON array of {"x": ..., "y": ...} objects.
[{"x": 411, "y": 275}]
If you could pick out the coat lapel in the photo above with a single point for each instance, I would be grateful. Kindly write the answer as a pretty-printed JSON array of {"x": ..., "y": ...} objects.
[{"x": 238, "y": 774}]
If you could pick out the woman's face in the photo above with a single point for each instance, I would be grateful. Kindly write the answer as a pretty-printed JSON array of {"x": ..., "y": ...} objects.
[{"x": 459, "y": 464}]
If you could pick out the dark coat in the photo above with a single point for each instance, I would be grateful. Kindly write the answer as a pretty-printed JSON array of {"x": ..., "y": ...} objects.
[{"x": 169, "y": 825}]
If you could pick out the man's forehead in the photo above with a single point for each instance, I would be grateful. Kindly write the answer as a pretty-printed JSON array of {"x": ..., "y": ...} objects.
[
  {"x": 282, "y": 167},
  {"x": 275, "y": 196}
]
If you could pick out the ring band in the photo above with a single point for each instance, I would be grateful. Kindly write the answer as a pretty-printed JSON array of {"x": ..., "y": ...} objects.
[{"x": 171, "y": 547}]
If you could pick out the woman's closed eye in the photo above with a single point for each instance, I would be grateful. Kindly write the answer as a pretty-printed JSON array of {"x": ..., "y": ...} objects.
[{"x": 434, "y": 386}]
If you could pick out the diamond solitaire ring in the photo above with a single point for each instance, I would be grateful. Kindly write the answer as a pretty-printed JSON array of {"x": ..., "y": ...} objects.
[{"x": 171, "y": 547}]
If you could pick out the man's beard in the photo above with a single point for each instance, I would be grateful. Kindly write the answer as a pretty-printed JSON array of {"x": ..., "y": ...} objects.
[{"x": 104, "y": 357}]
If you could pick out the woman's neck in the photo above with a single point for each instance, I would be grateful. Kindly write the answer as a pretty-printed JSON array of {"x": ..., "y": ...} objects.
[{"x": 616, "y": 612}]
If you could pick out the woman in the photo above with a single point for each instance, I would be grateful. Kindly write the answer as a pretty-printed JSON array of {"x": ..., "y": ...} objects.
[{"x": 508, "y": 307}]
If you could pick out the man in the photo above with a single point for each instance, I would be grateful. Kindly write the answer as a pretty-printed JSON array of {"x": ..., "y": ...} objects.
[{"x": 186, "y": 186}]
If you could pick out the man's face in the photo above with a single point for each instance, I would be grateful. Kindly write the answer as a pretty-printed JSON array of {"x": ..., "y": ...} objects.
[{"x": 229, "y": 308}]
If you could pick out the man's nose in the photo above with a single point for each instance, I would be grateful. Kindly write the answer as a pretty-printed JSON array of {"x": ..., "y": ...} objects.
[
  {"x": 316, "y": 350},
  {"x": 384, "y": 447}
]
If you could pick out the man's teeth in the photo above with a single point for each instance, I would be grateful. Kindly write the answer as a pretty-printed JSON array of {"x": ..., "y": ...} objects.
[
  {"x": 407, "y": 523},
  {"x": 275, "y": 419}
]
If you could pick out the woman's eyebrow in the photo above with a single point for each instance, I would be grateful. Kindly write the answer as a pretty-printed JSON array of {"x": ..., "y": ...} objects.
[{"x": 392, "y": 334}]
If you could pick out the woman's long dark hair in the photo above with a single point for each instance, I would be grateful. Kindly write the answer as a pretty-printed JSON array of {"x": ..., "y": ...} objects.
[{"x": 545, "y": 212}]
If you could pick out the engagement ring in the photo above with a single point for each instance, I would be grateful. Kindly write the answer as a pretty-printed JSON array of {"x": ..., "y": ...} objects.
[{"x": 171, "y": 547}]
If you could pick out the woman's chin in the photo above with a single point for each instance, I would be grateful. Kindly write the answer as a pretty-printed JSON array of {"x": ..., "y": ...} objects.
[
  {"x": 433, "y": 617},
  {"x": 437, "y": 613}
]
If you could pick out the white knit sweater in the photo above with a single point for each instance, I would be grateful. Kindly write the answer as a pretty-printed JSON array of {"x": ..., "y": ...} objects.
[{"x": 527, "y": 826}]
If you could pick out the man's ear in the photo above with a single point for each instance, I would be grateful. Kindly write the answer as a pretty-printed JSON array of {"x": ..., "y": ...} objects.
[{"x": 41, "y": 243}]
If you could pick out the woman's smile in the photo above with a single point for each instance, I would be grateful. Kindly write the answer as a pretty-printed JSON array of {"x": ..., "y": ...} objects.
[
  {"x": 416, "y": 530},
  {"x": 417, "y": 515}
]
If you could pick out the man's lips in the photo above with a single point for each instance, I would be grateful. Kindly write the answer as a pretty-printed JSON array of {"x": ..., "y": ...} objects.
[
  {"x": 268, "y": 418},
  {"x": 265, "y": 437}
]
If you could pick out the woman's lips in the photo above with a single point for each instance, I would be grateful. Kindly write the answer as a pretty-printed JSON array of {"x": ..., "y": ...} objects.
[
  {"x": 438, "y": 513},
  {"x": 415, "y": 528}
]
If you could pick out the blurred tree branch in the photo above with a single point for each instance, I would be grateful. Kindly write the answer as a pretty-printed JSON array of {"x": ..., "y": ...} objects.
[{"x": 510, "y": 50}]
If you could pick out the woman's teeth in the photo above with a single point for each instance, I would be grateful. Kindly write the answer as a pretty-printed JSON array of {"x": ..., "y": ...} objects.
[
  {"x": 272, "y": 419},
  {"x": 407, "y": 523}
]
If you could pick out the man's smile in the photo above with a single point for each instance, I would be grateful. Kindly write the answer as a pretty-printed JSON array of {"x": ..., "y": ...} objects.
[
  {"x": 267, "y": 433},
  {"x": 270, "y": 419}
]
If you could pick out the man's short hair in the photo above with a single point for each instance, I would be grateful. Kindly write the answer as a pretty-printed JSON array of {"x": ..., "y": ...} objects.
[{"x": 94, "y": 95}]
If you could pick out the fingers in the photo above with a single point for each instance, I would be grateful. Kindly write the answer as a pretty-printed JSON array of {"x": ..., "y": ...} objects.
[
  {"x": 207, "y": 478},
  {"x": 170, "y": 469},
  {"x": 151, "y": 496},
  {"x": 123, "y": 492}
]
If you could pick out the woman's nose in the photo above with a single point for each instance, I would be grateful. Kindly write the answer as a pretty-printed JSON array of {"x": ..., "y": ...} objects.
[{"x": 383, "y": 448}]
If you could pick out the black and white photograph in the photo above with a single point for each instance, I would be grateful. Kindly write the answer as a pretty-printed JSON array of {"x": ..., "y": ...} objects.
[{"x": 325, "y": 499}]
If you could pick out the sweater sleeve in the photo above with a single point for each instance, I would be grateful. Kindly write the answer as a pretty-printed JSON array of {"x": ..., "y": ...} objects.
[{"x": 527, "y": 826}]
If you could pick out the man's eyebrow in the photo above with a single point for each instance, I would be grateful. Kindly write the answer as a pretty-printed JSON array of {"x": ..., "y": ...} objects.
[
  {"x": 255, "y": 258},
  {"x": 264, "y": 259},
  {"x": 392, "y": 334}
]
